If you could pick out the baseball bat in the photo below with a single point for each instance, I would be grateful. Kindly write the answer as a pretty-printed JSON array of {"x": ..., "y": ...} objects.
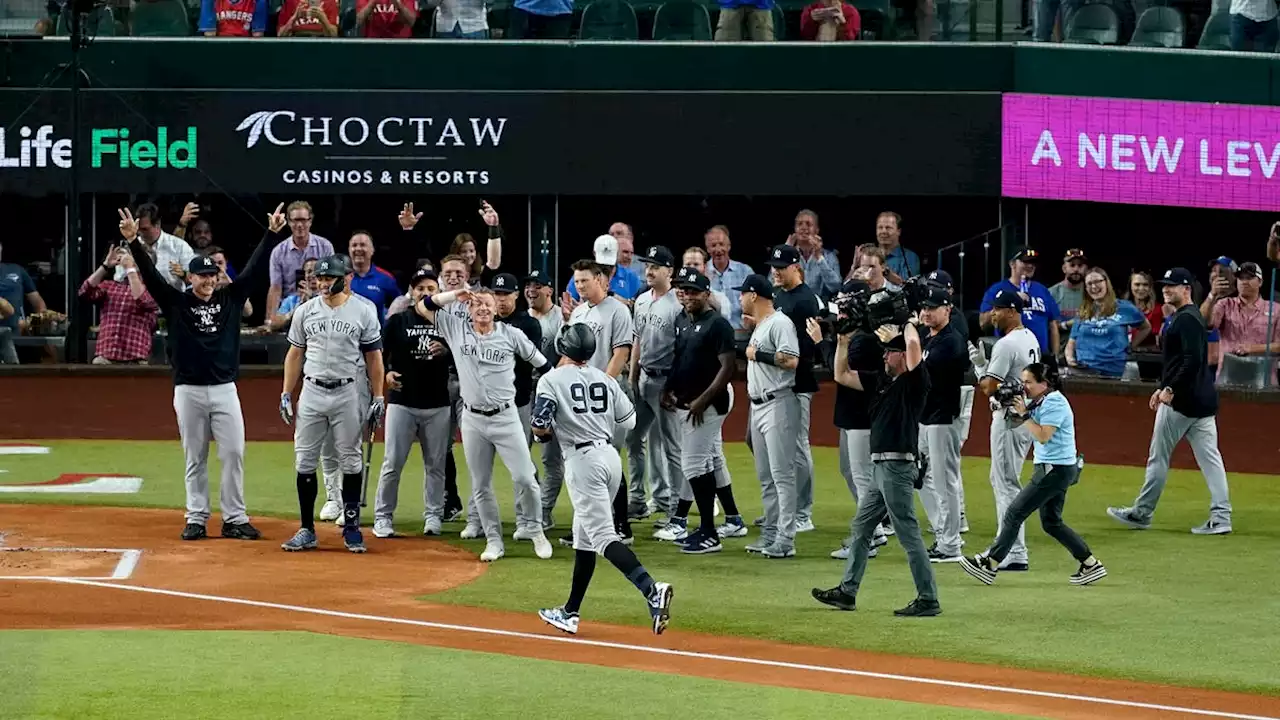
[{"x": 368, "y": 458}]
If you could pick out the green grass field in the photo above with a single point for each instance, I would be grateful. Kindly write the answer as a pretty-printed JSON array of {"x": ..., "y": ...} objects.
[{"x": 1176, "y": 608}]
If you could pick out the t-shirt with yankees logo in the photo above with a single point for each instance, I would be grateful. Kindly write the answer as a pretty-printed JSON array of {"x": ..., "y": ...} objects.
[
  {"x": 233, "y": 18},
  {"x": 406, "y": 346}
]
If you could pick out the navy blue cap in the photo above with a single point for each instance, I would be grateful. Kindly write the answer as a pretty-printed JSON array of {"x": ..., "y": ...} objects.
[
  {"x": 781, "y": 256},
  {"x": 757, "y": 284},
  {"x": 658, "y": 255},
  {"x": 537, "y": 277},
  {"x": 941, "y": 278},
  {"x": 691, "y": 279},
  {"x": 203, "y": 265},
  {"x": 423, "y": 274},
  {"x": 1177, "y": 276},
  {"x": 898, "y": 342},
  {"x": 1008, "y": 299},
  {"x": 504, "y": 283},
  {"x": 937, "y": 296}
]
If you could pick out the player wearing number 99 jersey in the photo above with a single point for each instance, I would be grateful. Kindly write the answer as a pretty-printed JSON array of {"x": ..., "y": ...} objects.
[{"x": 586, "y": 409}]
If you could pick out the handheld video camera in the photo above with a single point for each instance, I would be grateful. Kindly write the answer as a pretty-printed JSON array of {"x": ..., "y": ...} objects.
[{"x": 1008, "y": 391}]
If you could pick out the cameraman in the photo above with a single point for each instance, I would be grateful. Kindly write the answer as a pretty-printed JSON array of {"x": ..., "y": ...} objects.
[
  {"x": 897, "y": 397},
  {"x": 1010, "y": 443},
  {"x": 947, "y": 360}
]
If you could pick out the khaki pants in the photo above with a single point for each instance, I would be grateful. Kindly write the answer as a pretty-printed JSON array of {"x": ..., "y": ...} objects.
[{"x": 759, "y": 24}]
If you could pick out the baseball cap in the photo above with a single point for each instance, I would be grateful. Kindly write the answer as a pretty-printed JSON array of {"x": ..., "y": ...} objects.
[
  {"x": 606, "y": 250},
  {"x": 940, "y": 277},
  {"x": 1249, "y": 269},
  {"x": 781, "y": 256},
  {"x": 504, "y": 283},
  {"x": 850, "y": 286},
  {"x": 898, "y": 343},
  {"x": 1224, "y": 261},
  {"x": 757, "y": 284},
  {"x": 693, "y": 280},
  {"x": 1008, "y": 299},
  {"x": 423, "y": 274},
  {"x": 658, "y": 255},
  {"x": 937, "y": 296},
  {"x": 1026, "y": 255},
  {"x": 203, "y": 265},
  {"x": 1075, "y": 254},
  {"x": 537, "y": 278},
  {"x": 1177, "y": 276}
]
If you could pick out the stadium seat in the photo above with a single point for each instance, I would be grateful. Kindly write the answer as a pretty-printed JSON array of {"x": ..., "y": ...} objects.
[
  {"x": 779, "y": 24},
  {"x": 609, "y": 20},
  {"x": 879, "y": 19},
  {"x": 1217, "y": 33},
  {"x": 682, "y": 20},
  {"x": 1093, "y": 25},
  {"x": 159, "y": 18},
  {"x": 100, "y": 22},
  {"x": 1159, "y": 27}
]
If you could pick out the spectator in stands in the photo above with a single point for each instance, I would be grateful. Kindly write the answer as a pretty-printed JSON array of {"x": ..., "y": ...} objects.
[
  {"x": 821, "y": 267},
  {"x": 541, "y": 19},
  {"x": 461, "y": 19},
  {"x": 871, "y": 268},
  {"x": 830, "y": 21},
  {"x": 308, "y": 18},
  {"x": 1242, "y": 320},
  {"x": 899, "y": 262},
  {"x": 370, "y": 281},
  {"x": 386, "y": 18},
  {"x": 219, "y": 257},
  {"x": 1041, "y": 312},
  {"x": 1142, "y": 295},
  {"x": 756, "y": 15},
  {"x": 128, "y": 311},
  {"x": 627, "y": 248},
  {"x": 623, "y": 284},
  {"x": 1254, "y": 25},
  {"x": 8, "y": 353},
  {"x": 1273, "y": 244},
  {"x": 233, "y": 18},
  {"x": 15, "y": 287},
  {"x": 170, "y": 254},
  {"x": 1222, "y": 278},
  {"x": 724, "y": 272},
  {"x": 1069, "y": 294},
  {"x": 304, "y": 291},
  {"x": 1047, "y": 16},
  {"x": 1105, "y": 329},
  {"x": 287, "y": 257}
]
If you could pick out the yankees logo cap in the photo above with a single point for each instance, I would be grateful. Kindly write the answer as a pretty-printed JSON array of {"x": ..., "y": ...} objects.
[
  {"x": 783, "y": 256},
  {"x": 1177, "y": 276},
  {"x": 658, "y": 255},
  {"x": 203, "y": 265},
  {"x": 941, "y": 278},
  {"x": 1008, "y": 299},
  {"x": 757, "y": 284},
  {"x": 937, "y": 296},
  {"x": 504, "y": 283},
  {"x": 537, "y": 277},
  {"x": 421, "y": 274},
  {"x": 691, "y": 279}
]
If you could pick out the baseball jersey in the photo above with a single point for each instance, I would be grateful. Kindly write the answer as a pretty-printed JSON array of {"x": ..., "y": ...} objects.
[
  {"x": 947, "y": 359},
  {"x": 550, "y": 322},
  {"x": 801, "y": 303},
  {"x": 775, "y": 334},
  {"x": 700, "y": 341},
  {"x": 233, "y": 18},
  {"x": 588, "y": 404},
  {"x": 487, "y": 363},
  {"x": 1011, "y": 354},
  {"x": 1041, "y": 309},
  {"x": 655, "y": 322},
  {"x": 335, "y": 338},
  {"x": 611, "y": 321}
]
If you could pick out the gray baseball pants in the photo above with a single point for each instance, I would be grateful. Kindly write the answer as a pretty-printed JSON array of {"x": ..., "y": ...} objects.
[
  {"x": 1202, "y": 433},
  {"x": 483, "y": 437},
  {"x": 594, "y": 476},
  {"x": 661, "y": 429},
  {"x": 940, "y": 493},
  {"x": 804, "y": 460},
  {"x": 212, "y": 412},
  {"x": 1009, "y": 450},
  {"x": 524, "y": 521},
  {"x": 329, "y": 453},
  {"x": 430, "y": 428},
  {"x": 773, "y": 431},
  {"x": 855, "y": 466}
]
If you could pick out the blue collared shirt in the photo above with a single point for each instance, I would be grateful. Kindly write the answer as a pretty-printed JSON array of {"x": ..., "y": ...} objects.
[
  {"x": 725, "y": 282},
  {"x": 378, "y": 287},
  {"x": 822, "y": 273},
  {"x": 624, "y": 284},
  {"x": 903, "y": 262},
  {"x": 1055, "y": 411}
]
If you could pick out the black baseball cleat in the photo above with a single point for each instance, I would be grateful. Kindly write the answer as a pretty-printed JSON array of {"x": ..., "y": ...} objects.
[
  {"x": 836, "y": 598},
  {"x": 242, "y": 531},
  {"x": 920, "y": 608},
  {"x": 566, "y": 541},
  {"x": 194, "y": 531},
  {"x": 1015, "y": 567}
]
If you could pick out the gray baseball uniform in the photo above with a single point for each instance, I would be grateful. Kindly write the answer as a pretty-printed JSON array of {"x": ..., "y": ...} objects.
[
  {"x": 552, "y": 458},
  {"x": 335, "y": 340},
  {"x": 329, "y": 465},
  {"x": 775, "y": 420},
  {"x": 550, "y": 322},
  {"x": 590, "y": 410},
  {"x": 655, "y": 318},
  {"x": 1009, "y": 448},
  {"x": 490, "y": 423}
]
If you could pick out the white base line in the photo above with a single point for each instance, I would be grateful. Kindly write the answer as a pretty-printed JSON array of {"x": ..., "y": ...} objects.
[
  {"x": 123, "y": 570},
  {"x": 667, "y": 651}
]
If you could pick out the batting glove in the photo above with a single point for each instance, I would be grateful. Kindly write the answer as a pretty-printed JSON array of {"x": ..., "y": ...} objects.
[
  {"x": 286, "y": 408},
  {"x": 377, "y": 411}
]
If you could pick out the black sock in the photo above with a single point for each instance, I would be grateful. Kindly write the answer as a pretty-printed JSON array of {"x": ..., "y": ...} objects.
[
  {"x": 682, "y": 508},
  {"x": 620, "y": 521},
  {"x": 307, "y": 499},
  {"x": 584, "y": 565},
  {"x": 351, "y": 499},
  {"x": 727, "y": 502},
  {"x": 628, "y": 564},
  {"x": 451, "y": 499},
  {"x": 704, "y": 492}
]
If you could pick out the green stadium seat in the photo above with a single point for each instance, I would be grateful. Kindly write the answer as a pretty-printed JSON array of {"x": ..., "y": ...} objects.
[
  {"x": 609, "y": 20},
  {"x": 1159, "y": 27},
  {"x": 779, "y": 24},
  {"x": 879, "y": 18},
  {"x": 1093, "y": 25},
  {"x": 682, "y": 20},
  {"x": 1217, "y": 32},
  {"x": 160, "y": 18}
]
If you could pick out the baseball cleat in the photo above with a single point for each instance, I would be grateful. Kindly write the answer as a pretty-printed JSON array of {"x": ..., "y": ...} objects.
[
  {"x": 758, "y": 522},
  {"x": 548, "y": 522},
  {"x": 836, "y": 598},
  {"x": 431, "y": 526},
  {"x": 675, "y": 530},
  {"x": 779, "y": 550},
  {"x": 332, "y": 510},
  {"x": 761, "y": 544},
  {"x": 804, "y": 525},
  {"x": 382, "y": 528},
  {"x": 964, "y": 523},
  {"x": 194, "y": 531},
  {"x": 1088, "y": 574},
  {"x": 453, "y": 514},
  {"x": 523, "y": 534},
  {"x": 888, "y": 527},
  {"x": 566, "y": 541},
  {"x": 1015, "y": 567},
  {"x": 733, "y": 527},
  {"x": 339, "y": 521},
  {"x": 637, "y": 515},
  {"x": 1212, "y": 527},
  {"x": 920, "y": 608},
  {"x": 660, "y": 606},
  {"x": 978, "y": 567},
  {"x": 879, "y": 540},
  {"x": 352, "y": 538},
  {"x": 701, "y": 543},
  {"x": 843, "y": 553},
  {"x": 304, "y": 539},
  {"x": 560, "y": 619},
  {"x": 937, "y": 556},
  {"x": 492, "y": 551},
  {"x": 541, "y": 546},
  {"x": 471, "y": 532},
  {"x": 1125, "y": 516},
  {"x": 240, "y": 531}
]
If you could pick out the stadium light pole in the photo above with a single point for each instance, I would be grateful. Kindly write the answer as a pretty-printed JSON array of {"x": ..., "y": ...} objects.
[{"x": 77, "y": 339}]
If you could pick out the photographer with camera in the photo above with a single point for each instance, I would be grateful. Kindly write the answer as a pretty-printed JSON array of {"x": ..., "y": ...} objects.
[
  {"x": 1051, "y": 423},
  {"x": 1000, "y": 381},
  {"x": 897, "y": 398},
  {"x": 947, "y": 360}
]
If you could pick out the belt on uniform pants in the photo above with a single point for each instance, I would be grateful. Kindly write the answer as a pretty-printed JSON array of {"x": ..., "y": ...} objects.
[
  {"x": 770, "y": 396},
  {"x": 490, "y": 412},
  {"x": 328, "y": 384},
  {"x": 889, "y": 456},
  {"x": 654, "y": 373},
  {"x": 590, "y": 444}
]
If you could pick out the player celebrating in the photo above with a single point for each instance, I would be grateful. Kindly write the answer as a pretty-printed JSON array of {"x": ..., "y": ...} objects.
[
  {"x": 485, "y": 354},
  {"x": 328, "y": 334},
  {"x": 539, "y": 292},
  {"x": 703, "y": 362},
  {"x": 330, "y": 460},
  {"x": 204, "y": 336},
  {"x": 587, "y": 409},
  {"x": 418, "y": 407}
]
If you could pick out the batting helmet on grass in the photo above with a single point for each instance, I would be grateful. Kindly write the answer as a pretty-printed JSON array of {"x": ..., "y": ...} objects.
[{"x": 577, "y": 342}]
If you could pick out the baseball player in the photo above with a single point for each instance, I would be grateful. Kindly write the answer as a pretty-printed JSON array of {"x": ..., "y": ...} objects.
[
  {"x": 204, "y": 350},
  {"x": 696, "y": 258},
  {"x": 772, "y": 356},
  {"x": 330, "y": 464},
  {"x": 960, "y": 428},
  {"x": 696, "y": 390},
  {"x": 585, "y": 409},
  {"x": 1017, "y": 348},
  {"x": 418, "y": 408},
  {"x": 946, "y": 360},
  {"x": 611, "y": 321},
  {"x": 328, "y": 334},
  {"x": 1186, "y": 406},
  {"x": 539, "y": 293},
  {"x": 485, "y": 354},
  {"x": 656, "y": 310},
  {"x": 455, "y": 275}
]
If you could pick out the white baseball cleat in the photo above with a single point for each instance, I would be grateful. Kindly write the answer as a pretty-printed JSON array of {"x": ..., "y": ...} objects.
[
  {"x": 431, "y": 526},
  {"x": 541, "y": 546},
  {"x": 523, "y": 534},
  {"x": 382, "y": 528},
  {"x": 471, "y": 532},
  {"x": 492, "y": 551},
  {"x": 332, "y": 510}
]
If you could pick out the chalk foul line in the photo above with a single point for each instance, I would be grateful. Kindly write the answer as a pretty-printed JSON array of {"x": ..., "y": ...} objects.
[{"x": 667, "y": 651}]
